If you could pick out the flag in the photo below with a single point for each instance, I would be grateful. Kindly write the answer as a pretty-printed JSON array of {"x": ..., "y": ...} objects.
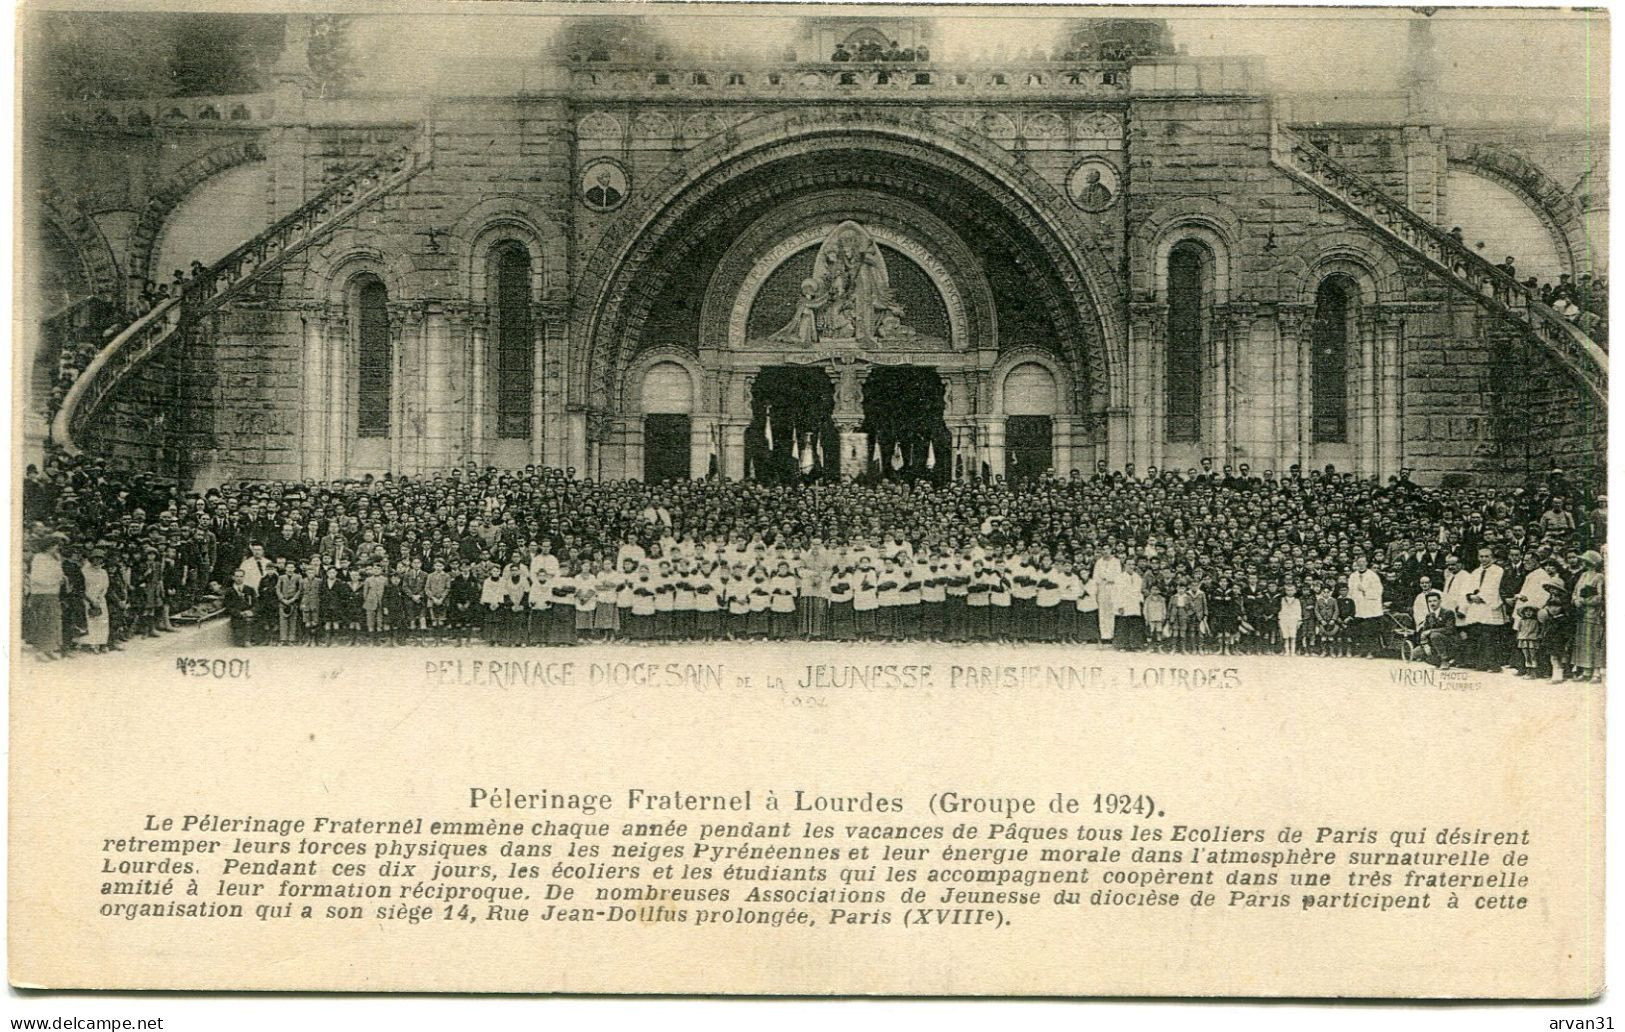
[
  {"x": 877, "y": 460},
  {"x": 897, "y": 456},
  {"x": 807, "y": 456},
  {"x": 769, "y": 428},
  {"x": 931, "y": 455},
  {"x": 795, "y": 445},
  {"x": 711, "y": 463},
  {"x": 820, "y": 451}
]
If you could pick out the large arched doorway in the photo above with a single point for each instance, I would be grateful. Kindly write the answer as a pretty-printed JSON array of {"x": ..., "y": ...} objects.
[
  {"x": 999, "y": 249},
  {"x": 1031, "y": 405},
  {"x": 909, "y": 440},
  {"x": 668, "y": 429},
  {"x": 792, "y": 437}
]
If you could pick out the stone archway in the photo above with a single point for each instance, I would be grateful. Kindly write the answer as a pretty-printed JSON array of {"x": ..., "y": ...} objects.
[
  {"x": 913, "y": 155},
  {"x": 172, "y": 191},
  {"x": 1554, "y": 206}
]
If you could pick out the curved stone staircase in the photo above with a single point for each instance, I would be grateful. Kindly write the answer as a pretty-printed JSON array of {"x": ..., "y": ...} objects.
[
  {"x": 1444, "y": 255},
  {"x": 229, "y": 277}
]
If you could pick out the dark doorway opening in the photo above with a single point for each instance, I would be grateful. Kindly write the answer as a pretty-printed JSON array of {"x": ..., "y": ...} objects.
[
  {"x": 1028, "y": 447},
  {"x": 666, "y": 440},
  {"x": 903, "y": 409},
  {"x": 792, "y": 436}
]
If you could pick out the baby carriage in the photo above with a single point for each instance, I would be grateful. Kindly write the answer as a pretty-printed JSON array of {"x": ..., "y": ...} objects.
[{"x": 1399, "y": 635}]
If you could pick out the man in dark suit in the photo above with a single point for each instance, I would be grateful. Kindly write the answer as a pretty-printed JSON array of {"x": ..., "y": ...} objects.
[{"x": 239, "y": 602}]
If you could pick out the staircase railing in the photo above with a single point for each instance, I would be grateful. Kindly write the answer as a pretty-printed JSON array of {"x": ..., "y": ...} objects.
[
  {"x": 1469, "y": 271},
  {"x": 230, "y": 276}
]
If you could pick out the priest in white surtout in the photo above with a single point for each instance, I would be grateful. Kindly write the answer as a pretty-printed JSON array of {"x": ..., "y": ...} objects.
[
  {"x": 1484, "y": 618},
  {"x": 1365, "y": 589},
  {"x": 1108, "y": 572}
]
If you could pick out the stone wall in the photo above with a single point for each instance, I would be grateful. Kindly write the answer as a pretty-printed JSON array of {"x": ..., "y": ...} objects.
[{"x": 244, "y": 392}]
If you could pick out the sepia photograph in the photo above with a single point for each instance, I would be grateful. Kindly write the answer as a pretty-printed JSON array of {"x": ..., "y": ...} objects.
[{"x": 811, "y": 499}]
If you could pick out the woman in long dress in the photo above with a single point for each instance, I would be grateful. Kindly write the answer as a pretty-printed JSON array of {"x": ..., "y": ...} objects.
[
  {"x": 96, "y": 621},
  {"x": 1588, "y": 655},
  {"x": 42, "y": 606}
]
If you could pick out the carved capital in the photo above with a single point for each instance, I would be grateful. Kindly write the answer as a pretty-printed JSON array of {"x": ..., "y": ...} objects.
[
  {"x": 550, "y": 310},
  {"x": 599, "y": 426},
  {"x": 1149, "y": 319},
  {"x": 461, "y": 310},
  {"x": 1294, "y": 320},
  {"x": 1236, "y": 318},
  {"x": 402, "y": 312}
]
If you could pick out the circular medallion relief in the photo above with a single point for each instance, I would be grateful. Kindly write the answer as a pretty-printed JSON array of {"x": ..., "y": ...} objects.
[
  {"x": 603, "y": 186},
  {"x": 1093, "y": 184}
]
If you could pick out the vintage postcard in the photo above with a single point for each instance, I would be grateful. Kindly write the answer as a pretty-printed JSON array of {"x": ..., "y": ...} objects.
[{"x": 749, "y": 499}]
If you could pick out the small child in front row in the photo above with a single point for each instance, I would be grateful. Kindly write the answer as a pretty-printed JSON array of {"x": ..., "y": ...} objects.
[
  {"x": 1526, "y": 626},
  {"x": 1290, "y": 619},
  {"x": 1156, "y": 616}
]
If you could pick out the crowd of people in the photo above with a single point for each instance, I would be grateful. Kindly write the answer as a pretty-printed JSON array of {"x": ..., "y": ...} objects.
[
  {"x": 874, "y": 50},
  {"x": 1200, "y": 561},
  {"x": 81, "y": 337},
  {"x": 1583, "y": 301}
]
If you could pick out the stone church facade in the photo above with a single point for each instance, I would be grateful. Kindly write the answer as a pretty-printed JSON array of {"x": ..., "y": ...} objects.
[{"x": 1123, "y": 255}]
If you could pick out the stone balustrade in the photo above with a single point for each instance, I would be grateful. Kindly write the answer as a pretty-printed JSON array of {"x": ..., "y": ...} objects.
[
  {"x": 223, "y": 280},
  {"x": 229, "y": 110},
  {"x": 1470, "y": 271}
]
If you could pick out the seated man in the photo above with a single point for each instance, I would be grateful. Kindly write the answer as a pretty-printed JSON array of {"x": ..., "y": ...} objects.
[{"x": 1437, "y": 639}]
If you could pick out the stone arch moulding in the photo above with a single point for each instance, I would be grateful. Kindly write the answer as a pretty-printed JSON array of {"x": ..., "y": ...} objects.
[
  {"x": 669, "y": 196},
  {"x": 337, "y": 260},
  {"x": 1297, "y": 277},
  {"x": 90, "y": 246},
  {"x": 174, "y": 189},
  {"x": 632, "y": 382},
  {"x": 1554, "y": 206},
  {"x": 1065, "y": 390},
  {"x": 1201, "y": 219},
  {"x": 485, "y": 224}
]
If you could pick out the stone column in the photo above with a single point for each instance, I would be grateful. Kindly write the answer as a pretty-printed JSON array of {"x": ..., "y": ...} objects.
[
  {"x": 1118, "y": 443},
  {"x": 405, "y": 386},
  {"x": 1292, "y": 323},
  {"x": 990, "y": 430},
  {"x": 456, "y": 404},
  {"x": 479, "y": 379},
  {"x": 1393, "y": 396},
  {"x": 1215, "y": 404},
  {"x": 623, "y": 449},
  {"x": 600, "y": 428},
  {"x": 733, "y": 446},
  {"x": 319, "y": 393},
  {"x": 549, "y": 375},
  {"x": 1143, "y": 432},
  {"x": 854, "y": 453},
  {"x": 1385, "y": 330},
  {"x": 702, "y": 432},
  {"x": 576, "y": 454},
  {"x": 442, "y": 387},
  {"x": 1234, "y": 380},
  {"x": 1366, "y": 391},
  {"x": 1061, "y": 444},
  {"x": 735, "y": 420}
]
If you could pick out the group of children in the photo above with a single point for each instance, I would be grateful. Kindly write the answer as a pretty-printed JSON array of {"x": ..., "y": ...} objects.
[{"x": 752, "y": 590}]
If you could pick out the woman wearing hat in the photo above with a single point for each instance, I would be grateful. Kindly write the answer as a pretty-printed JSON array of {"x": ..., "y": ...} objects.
[
  {"x": 1588, "y": 654},
  {"x": 42, "y": 600},
  {"x": 96, "y": 584}
]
